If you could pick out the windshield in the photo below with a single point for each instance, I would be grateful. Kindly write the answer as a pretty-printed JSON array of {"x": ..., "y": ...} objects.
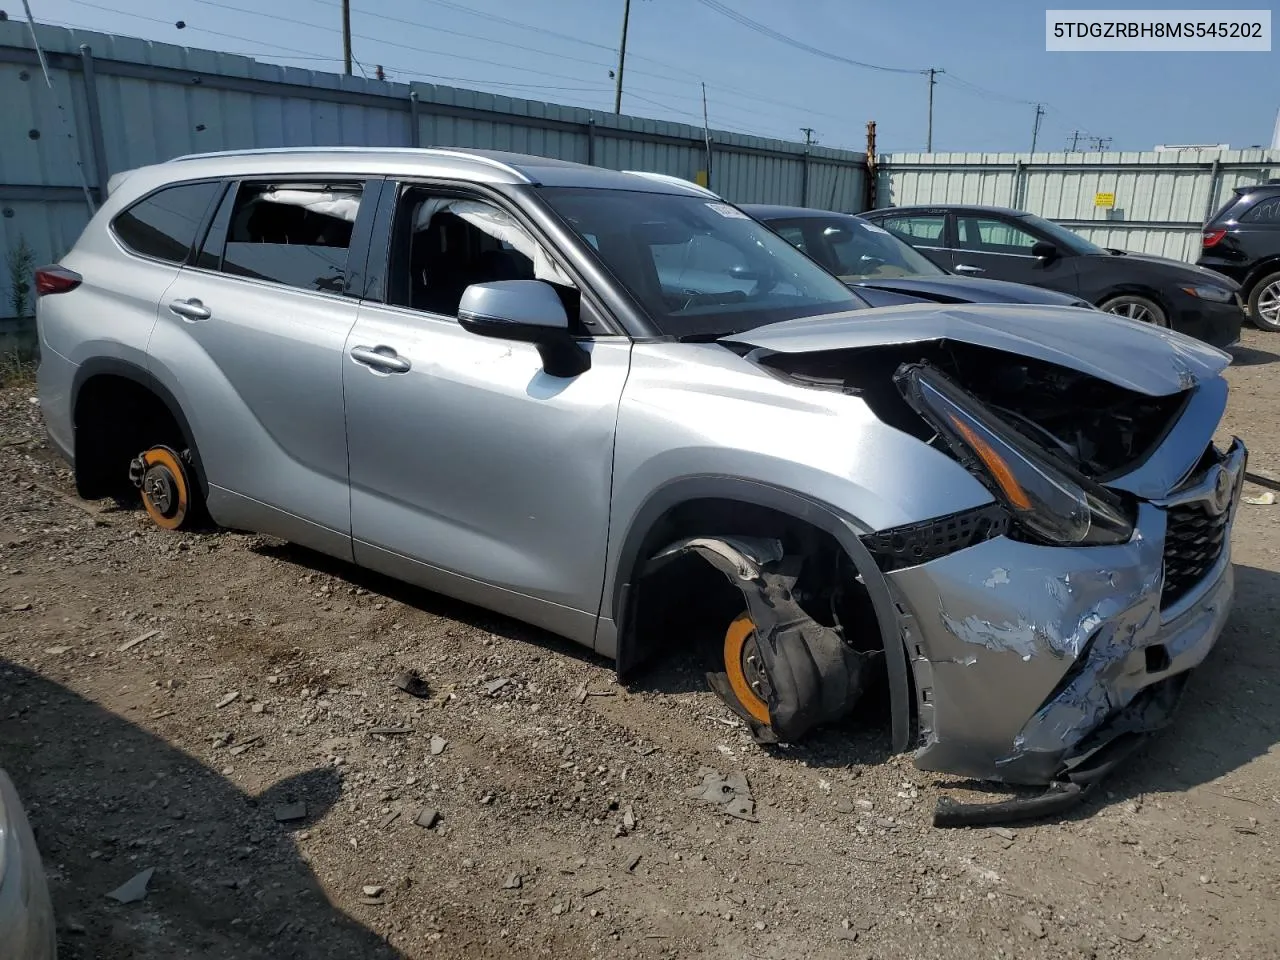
[
  {"x": 699, "y": 267},
  {"x": 855, "y": 249},
  {"x": 1062, "y": 236}
]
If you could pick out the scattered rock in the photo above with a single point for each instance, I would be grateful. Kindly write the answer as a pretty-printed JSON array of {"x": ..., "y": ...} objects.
[
  {"x": 1033, "y": 926},
  {"x": 1132, "y": 936},
  {"x": 1003, "y": 832},
  {"x": 437, "y": 745},
  {"x": 428, "y": 818},
  {"x": 20, "y": 607},
  {"x": 141, "y": 638},
  {"x": 629, "y": 818},
  {"x": 513, "y": 882},
  {"x": 289, "y": 812},
  {"x": 845, "y": 806},
  {"x": 391, "y": 731},
  {"x": 411, "y": 682},
  {"x": 56, "y": 651},
  {"x": 389, "y": 819},
  {"x": 229, "y": 699},
  {"x": 134, "y": 889},
  {"x": 493, "y": 686},
  {"x": 633, "y": 862},
  {"x": 372, "y": 890},
  {"x": 259, "y": 708}
]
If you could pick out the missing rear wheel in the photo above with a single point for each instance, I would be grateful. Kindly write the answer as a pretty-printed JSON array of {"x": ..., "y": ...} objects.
[
  {"x": 164, "y": 481},
  {"x": 742, "y": 666}
]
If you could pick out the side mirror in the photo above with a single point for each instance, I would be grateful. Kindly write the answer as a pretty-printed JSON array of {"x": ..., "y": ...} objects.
[
  {"x": 1044, "y": 251},
  {"x": 529, "y": 311}
]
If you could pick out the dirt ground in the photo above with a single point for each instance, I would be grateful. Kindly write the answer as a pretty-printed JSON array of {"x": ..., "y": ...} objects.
[{"x": 562, "y": 825}]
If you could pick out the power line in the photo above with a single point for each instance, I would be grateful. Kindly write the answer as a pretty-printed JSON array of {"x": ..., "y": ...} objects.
[{"x": 760, "y": 28}]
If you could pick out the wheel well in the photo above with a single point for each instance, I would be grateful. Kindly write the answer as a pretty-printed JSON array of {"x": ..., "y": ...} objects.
[
  {"x": 115, "y": 419},
  {"x": 1260, "y": 270},
  {"x": 1135, "y": 291},
  {"x": 687, "y": 601}
]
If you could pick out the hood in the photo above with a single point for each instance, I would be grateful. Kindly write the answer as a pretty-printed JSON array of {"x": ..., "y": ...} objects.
[
  {"x": 953, "y": 289},
  {"x": 1167, "y": 265},
  {"x": 1123, "y": 352}
]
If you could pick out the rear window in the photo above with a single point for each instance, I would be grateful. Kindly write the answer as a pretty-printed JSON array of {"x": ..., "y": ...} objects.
[
  {"x": 1266, "y": 210},
  {"x": 164, "y": 224}
]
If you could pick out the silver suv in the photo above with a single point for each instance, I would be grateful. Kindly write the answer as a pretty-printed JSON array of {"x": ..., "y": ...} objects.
[{"x": 617, "y": 407}]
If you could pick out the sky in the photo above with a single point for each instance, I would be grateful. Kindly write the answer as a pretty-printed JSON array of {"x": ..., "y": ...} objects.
[{"x": 563, "y": 51}]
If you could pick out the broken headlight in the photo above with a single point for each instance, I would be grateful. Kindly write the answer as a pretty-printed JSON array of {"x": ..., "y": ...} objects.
[{"x": 1048, "y": 500}]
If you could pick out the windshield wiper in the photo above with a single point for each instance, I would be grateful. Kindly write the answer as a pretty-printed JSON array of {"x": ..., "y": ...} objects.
[{"x": 704, "y": 337}]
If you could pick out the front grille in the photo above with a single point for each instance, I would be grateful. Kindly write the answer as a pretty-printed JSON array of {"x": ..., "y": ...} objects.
[{"x": 1193, "y": 542}]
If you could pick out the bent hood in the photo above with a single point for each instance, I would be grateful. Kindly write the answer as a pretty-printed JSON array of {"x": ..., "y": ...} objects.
[
  {"x": 1125, "y": 352},
  {"x": 953, "y": 289}
]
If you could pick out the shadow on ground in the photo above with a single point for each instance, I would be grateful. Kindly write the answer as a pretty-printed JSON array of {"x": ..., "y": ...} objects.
[
  {"x": 1249, "y": 357},
  {"x": 108, "y": 800}
]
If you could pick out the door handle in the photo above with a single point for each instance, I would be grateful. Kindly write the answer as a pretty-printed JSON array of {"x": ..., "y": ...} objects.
[
  {"x": 191, "y": 309},
  {"x": 968, "y": 268},
  {"x": 381, "y": 358}
]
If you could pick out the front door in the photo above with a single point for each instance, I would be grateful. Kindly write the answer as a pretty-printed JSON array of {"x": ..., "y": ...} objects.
[
  {"x": 258, "y": 325},
  {"x": 999, "y": 248},
  {"x": 473, "y": 471}
]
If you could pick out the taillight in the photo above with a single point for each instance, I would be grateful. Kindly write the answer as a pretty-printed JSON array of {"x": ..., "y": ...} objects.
[
  {"x": 56, "y": 279},
  {"x": 1211, "y": 238}
]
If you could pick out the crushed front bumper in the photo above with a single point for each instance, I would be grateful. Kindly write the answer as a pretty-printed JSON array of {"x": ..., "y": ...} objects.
[{"x": 1033, "y": 664}]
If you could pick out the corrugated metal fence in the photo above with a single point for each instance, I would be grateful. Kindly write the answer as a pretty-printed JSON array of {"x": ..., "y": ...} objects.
[
  {"x": 1159, "y": 201},
  {"x": 131, "y": 102}
]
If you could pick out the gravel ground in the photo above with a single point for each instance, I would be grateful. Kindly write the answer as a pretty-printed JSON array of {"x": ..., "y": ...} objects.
[{"x": 221, "y": 709}]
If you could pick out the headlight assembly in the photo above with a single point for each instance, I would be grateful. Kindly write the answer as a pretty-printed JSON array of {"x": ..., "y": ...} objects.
[
  {"x": 1206, "y": 292},
  {"x": 1048, "y": 501}
]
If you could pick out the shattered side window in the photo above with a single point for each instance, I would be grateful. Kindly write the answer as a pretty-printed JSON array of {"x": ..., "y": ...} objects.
[
  {"x": 295, "y": 235},
  {"x": 444, "y": 244}
]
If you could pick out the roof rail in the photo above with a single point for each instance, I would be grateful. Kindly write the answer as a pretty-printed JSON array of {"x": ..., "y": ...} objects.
[
  {"x": 303, "y": 151},
  {"x": 675, "y": 181}
]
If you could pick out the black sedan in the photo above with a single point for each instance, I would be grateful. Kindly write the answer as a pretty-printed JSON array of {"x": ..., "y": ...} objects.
[
  {"x": 884, "y": 270},
  {"x": 1010, "y": 245}
]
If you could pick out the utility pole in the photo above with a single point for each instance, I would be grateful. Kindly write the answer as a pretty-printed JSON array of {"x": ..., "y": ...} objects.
[
  {"x": 808, "y": 135},
  {"x": 1075, "y": 141},
  {"x": 346, "y": 37},
  {"x": 928, "y": 143},
  {"x": 1035, "y": 131},
  {"x": 1100, "y": 143},
  {"x": 706, "y": 132},
  {"x": 622, "y": 56}
]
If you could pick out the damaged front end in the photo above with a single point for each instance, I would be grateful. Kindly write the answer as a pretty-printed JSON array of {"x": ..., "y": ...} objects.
[{"x": 1051, "y": 629}]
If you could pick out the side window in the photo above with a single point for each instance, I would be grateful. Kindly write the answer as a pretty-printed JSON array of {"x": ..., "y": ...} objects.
[
  {"x": 991, "y": 235},
  {"x": 1265, "y": 211},
  {"x": 164, "y": 224},
  {"x": 295, "y": 234},
  {"x": 793, "y": 233},
  {"x": 443, "y": 244},
  {"x": 924, "y": 229}
]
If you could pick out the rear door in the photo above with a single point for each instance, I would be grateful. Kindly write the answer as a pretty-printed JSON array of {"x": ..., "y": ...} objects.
[
  {"x": 999, "y": 248},
  {"x": 256, "y": 328},
  {"x": 924, "y": 230}
]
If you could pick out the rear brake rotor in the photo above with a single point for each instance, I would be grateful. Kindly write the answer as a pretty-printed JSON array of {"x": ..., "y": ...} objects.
[{"x": 162, "y": 477}]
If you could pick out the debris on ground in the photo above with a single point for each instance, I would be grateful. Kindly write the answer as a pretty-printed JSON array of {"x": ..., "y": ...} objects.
[
  {"x": 513, "y": 882},
  {"x": 428, "y": 818},
  {"x": 412, "y": 683},
  {"x": 229, "y": 699},
  {"x": 372, "y": 890},
  {"x": 731, "y": 793},
  {"x": 390, "y": 731},
  {"x": 134, "y": 889},
  {"x": 1264, "y": 499},
  {"x": 493, "y": 686},
  {"x": 289, "y": 812},
  {"x": 438, "y": 743},
  {"x": 141, "y": 638}
]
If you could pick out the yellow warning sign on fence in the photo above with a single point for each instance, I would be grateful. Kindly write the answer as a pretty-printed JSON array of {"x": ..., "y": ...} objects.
[{"x": 1104, "y": 199}]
